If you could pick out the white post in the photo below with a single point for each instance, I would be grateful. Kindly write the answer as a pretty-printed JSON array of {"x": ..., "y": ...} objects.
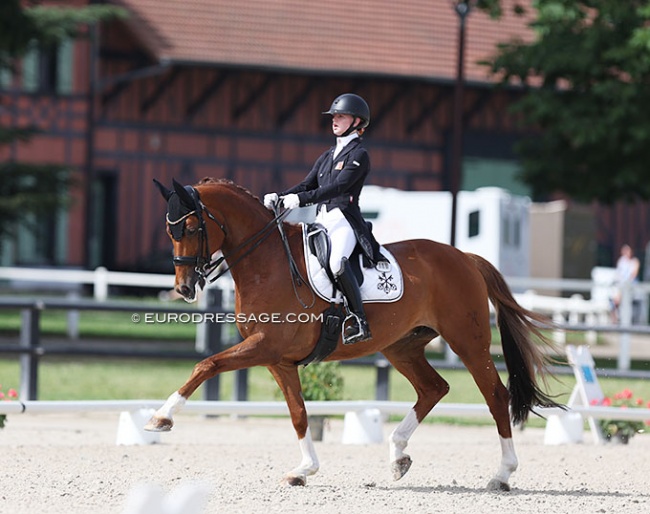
[
  {"x": 624, "y": 359},
  {"x": 101, "y": 284},
  {"x": 73, "y": 317},
  {"x": 559, "y": 336}
]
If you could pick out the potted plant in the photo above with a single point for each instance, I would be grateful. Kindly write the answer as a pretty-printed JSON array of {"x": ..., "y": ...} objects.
[
  {"x": 621, "y": 430},
  {"x": 320, "y": 382},
  {"x": 11, "y": 395}
]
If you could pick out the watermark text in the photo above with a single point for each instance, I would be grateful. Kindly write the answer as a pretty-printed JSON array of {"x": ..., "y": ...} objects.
[{"x": 226, "y": 317}]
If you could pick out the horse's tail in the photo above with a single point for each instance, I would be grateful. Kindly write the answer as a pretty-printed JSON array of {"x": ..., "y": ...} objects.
[{"x": 523, "y": 356}]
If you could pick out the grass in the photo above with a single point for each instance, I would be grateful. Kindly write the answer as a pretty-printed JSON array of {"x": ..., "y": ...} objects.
[
  {"x": 109, "y": 379},
  {"x": 101, "y": 325}
]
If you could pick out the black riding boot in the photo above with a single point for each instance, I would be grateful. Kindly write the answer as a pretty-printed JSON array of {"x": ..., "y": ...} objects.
[{"x": 356, "y": 325}]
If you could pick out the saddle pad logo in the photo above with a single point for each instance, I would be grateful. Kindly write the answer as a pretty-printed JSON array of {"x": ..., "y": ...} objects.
[{"x": 385, "y": 283}]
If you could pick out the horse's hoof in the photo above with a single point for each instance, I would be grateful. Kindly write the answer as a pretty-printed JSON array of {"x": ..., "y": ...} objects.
[
  {"x": 159, "y": 425},
  {"x": 497, "y": 485},
  {"x": 401, "y": 466},
  {"x": 292, "y": 481}
]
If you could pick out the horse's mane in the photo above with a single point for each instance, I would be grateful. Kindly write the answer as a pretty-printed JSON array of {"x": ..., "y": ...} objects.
[{"x": 209, "y": 181}]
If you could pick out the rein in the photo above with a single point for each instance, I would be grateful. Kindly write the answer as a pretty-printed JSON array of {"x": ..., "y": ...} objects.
[
  {"x": 262, "y": 234},
  {"x": 203, "y": 263},
  {"x": 296, "y": 278}
]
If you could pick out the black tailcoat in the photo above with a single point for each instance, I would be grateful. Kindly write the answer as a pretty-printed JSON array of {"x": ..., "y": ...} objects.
[{"x": 338, "y": 183}]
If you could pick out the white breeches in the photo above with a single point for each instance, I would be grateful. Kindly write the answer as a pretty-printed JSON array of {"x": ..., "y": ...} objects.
[{"x": 341, "y": 235}]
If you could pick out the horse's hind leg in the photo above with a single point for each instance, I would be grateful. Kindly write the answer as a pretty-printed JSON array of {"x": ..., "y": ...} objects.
[
  {"x": 497, "y": 398},
  {"x": 407, "y": 356}
]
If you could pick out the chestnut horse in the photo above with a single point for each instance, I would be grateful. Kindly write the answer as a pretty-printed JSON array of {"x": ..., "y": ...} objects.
[{"x": 446, "y": 293}]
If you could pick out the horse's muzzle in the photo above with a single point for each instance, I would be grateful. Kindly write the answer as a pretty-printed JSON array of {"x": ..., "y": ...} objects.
[{"x": 187, "y": 288}]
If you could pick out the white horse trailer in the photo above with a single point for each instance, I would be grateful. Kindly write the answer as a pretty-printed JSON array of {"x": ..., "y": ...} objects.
[{"x": 490, "y": 222}]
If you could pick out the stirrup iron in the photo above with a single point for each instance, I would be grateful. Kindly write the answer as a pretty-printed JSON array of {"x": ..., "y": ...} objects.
[{"x": 351, "y": 321}]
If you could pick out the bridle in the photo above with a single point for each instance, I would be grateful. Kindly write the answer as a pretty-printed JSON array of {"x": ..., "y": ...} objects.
[{"x": 202, "y": 262}]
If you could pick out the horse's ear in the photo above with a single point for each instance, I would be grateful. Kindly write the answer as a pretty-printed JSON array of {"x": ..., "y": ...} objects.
[
  {"x": 185, "y": 197},
  {"x": 166, "y": 193}
]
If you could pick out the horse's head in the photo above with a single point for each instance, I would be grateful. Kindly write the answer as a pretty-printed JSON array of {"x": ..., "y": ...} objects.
[{"x": 193, "y": 240}]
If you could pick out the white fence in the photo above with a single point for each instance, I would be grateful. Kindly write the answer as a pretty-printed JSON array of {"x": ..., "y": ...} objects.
[
  {"x": 273, "y": 408},
  {"x": 101, "y": 279},
  {"x": 574, "y": 310},
  {"x": 362, "y": 422}
]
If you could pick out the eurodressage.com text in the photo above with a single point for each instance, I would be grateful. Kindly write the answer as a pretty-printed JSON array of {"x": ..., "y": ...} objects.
[{"x": 230, "y": 317}]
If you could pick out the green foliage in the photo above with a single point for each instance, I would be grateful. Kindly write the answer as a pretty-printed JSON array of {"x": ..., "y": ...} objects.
[
  {"x": 586, "y": 98},
  {"x": 322, "y": 381},
  {"x": 56, "y": 23},
  {"x": 22, "y": 24},
  {"x": 36, "y": 189},
  {"x": 33, "y": 189},
  {"x": 10, "y": 395}
]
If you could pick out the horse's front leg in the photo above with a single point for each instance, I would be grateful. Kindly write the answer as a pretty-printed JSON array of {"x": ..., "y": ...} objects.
[
  {"x": 287, "y": 378},
  {"x": 246, "y": 354}
]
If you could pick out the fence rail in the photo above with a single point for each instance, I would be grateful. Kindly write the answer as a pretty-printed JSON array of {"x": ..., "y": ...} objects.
[
  {"x": 568, "y": 313},
  {"x": 313, "y": 407}
]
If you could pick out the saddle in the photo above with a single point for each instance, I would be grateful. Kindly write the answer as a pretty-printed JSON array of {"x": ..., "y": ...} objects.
[{"x": 381, "y": 283}]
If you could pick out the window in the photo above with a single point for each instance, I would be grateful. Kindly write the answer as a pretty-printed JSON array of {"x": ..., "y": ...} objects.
[
  {"x": 41, "y": 241},
  {"x": 506, "y": 231},
  {"x": 474, "y": 224},
  {"x": 511, "y": 231},
  {"x": 6, "y": 78},
  {"x": 49, "y": 70}
]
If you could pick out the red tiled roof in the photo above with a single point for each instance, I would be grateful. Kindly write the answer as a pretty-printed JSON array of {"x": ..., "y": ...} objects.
[{"x": 408, "y": 38}]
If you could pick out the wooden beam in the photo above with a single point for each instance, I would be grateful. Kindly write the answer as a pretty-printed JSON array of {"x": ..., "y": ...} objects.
[{"x": 207, "y": 93}]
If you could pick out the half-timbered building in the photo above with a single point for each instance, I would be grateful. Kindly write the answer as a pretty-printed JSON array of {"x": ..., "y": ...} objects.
[{"x": 191, "y": 88}]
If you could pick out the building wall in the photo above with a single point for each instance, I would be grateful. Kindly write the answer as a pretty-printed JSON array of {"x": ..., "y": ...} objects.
[{"x": 263, "y": 130}]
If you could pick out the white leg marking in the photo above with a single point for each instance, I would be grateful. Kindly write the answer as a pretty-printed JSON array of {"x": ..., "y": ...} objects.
[
  {"x": 171, "y": 406},
  {"x": 309, "y": 464},
  {"x": 400, "y": 437},
  {"x": 509, "y": 460}
]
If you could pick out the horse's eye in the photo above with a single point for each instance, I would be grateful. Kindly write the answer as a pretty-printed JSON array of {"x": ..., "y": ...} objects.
[{"x": 191, "y": 230}]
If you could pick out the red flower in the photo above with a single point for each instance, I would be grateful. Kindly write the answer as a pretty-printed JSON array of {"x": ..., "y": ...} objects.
[
  {"x": 12, "y": 393},
  {"x": 639, "y": 402},
  {"x": 594, "y": 402},
  {"x": 627, "y": 394},
  {"x": 607, "y": 402}
]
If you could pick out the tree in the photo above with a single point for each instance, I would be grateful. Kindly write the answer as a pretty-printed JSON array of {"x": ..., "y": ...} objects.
[
  {"x": 586, "y": 78},
  {"x": 28, "y": 189}
]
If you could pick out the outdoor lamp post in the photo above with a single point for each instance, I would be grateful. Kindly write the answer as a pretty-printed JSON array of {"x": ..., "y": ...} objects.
[{"x": 462, "y": 8}]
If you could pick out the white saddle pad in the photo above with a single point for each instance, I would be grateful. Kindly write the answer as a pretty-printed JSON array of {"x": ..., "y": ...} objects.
[{"x": 379, "y": 285}]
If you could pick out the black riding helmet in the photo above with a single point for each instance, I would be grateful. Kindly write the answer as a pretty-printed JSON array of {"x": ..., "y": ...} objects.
[{"x": 353, "y": 105}]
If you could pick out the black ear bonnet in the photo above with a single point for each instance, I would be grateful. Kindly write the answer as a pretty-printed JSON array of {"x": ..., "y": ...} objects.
[
  {"x": 179, "y": 207},
  {"x": 181, "y": 203}
]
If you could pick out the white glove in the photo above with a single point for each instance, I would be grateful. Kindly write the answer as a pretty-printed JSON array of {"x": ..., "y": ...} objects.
[
  {"x": 270, "y": 200},
  {"x": 291, "y": 201}
]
